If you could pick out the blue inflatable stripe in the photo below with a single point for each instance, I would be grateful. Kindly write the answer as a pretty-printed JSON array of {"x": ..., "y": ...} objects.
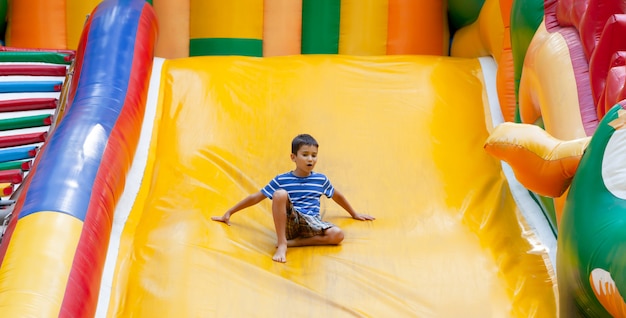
[
  {"x": 30, "y": 87},
  {"x": 18, "y": 153},
  {"x": 73, "y": 154}
]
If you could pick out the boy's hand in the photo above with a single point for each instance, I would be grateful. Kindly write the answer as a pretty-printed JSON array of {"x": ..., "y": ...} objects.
[
  {"x": 224, "y": 218},
  {"x": 363, "y": 217}
]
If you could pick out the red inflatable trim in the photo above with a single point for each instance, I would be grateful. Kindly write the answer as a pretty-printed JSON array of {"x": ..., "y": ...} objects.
[
  {"x": 23, "y": 139},
  {"x": 13, "y": 105},
  {"x": 11, "y": 176},
  {"x": 32, "y": 70}
]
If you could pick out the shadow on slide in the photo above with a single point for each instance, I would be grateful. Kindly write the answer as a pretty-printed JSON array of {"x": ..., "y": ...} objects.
[{"x": 401, "y": 137}]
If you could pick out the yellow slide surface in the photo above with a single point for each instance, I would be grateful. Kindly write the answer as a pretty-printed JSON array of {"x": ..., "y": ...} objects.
[{"x": 401, "y": 137}]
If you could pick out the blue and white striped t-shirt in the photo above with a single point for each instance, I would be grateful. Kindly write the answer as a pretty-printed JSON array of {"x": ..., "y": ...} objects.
[{"x": 304, "y": 192}]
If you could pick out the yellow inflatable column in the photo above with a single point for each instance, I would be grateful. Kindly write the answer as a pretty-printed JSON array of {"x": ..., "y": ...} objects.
[
  {"x": 226, "y": 28},
  {"x": 77, "y": 13},
  {"x": 363, "y": 27}
]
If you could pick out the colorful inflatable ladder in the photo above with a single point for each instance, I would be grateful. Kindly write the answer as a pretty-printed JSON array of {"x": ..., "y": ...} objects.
[{"x": 31, "y": 88}]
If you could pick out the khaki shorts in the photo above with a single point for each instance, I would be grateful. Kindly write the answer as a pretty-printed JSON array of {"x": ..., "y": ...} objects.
[{"x": 304, "y": 225}]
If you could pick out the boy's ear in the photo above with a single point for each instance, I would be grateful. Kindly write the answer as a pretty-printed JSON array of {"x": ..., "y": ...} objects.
[{"x": 293, "y": 157}]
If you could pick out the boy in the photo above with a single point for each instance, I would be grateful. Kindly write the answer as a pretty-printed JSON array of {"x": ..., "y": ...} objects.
[{"x": 295, "y": 199}]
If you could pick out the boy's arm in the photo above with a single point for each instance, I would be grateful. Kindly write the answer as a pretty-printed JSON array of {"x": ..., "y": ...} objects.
[
  {"x": 343, "y": 202},
  {"x": 246, "y": 202}
]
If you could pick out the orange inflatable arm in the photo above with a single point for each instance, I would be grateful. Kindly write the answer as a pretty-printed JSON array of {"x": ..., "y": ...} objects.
[{"x": 542, "y": 163}]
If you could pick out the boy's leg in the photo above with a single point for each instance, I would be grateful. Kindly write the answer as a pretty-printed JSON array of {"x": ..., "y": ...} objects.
[
  {"x": 331, "y": 236},
  {"x": 280, "y": 201}
]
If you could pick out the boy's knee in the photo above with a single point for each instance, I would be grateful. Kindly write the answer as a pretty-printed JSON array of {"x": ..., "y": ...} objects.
[
  {"x": 280, "y": 201},
  {"x": 335, "y": 235},
  {"x": 280, "y": 194}
]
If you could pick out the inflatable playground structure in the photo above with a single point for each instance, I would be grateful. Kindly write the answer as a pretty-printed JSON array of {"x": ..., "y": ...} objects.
[{"x": 485, "y": 136}]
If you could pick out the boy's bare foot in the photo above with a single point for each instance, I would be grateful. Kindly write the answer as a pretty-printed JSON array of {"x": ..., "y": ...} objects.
[{"x": 280, "y": 255}]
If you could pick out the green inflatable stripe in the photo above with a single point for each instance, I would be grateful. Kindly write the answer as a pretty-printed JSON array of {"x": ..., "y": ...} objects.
[
  {"x": 3, "y": 18},
  {"x": 526, "y": 16},
  {"x": 11, "y": 165},
  {"x": 225, "y": 46},
  {"x": 25, "y": 122},
  {"x": 463, "y": 12},
  {"x": 42, "y": 57},
  {"x": 320, "y": 26}
]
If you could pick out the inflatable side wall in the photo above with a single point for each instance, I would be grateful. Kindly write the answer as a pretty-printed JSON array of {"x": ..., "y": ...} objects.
[{"x": 55, "y": 247}]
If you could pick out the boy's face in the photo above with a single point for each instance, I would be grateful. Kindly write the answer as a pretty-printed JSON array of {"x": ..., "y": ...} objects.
[{"x": 305, "y": 160}]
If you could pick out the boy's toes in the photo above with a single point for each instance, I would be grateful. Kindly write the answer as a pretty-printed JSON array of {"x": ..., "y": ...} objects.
[
  {"x": 279, "y": 259},
  {"x": 279, "y": 256}
]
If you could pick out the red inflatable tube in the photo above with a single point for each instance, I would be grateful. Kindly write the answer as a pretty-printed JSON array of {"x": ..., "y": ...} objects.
[
  {"x": 11, "y": 176},
  {"x": 23, "y": 139},
  {"x": 13, "y": 105},
  {"x": 27, "y": 165},
  {"x": 32, "y": 70}
]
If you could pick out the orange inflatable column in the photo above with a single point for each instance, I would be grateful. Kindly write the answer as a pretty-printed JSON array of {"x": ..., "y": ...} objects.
[
  {"x": 37, "y": 24},
  {"x": 417, "y": 27},
  {"x": 173, "y": 17},
  {"x": 505, "y": 77},
  {"x": 282, "y": 27}
]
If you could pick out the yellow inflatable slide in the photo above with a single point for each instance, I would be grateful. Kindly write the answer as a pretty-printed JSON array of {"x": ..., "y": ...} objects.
[{"x": 400, "y": 136}]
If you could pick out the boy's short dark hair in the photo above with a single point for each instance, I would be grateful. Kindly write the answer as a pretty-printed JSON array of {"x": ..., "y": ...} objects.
[{"x": 302, "y": 140}]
